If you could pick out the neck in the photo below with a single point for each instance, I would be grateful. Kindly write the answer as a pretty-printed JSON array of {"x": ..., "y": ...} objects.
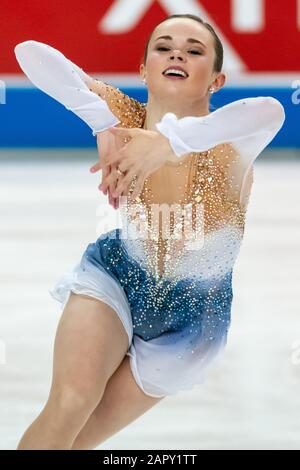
[{"x": 157, "y": 108}]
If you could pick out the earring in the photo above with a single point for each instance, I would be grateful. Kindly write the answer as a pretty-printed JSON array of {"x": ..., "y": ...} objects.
[
  {"x": 211, "y": 90},
  {"x": 144, "y": 80}
]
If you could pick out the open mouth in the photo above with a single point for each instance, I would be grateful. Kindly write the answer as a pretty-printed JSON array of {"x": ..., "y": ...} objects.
[{"x": 176, "y": 73}]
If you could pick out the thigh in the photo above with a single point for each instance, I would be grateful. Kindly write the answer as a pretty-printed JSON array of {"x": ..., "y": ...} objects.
[
  {"x": 90, "y": 344},
  {"x": 122, "y": 403}
]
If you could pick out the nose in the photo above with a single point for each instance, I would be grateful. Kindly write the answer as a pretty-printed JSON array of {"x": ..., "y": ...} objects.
[{"x": 177, "y": 55}]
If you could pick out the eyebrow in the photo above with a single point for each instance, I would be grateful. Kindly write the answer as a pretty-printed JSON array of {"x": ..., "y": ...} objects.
[{"x": 191, "y": 40}]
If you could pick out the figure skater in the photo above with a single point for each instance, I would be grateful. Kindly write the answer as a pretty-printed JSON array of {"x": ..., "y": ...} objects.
[{"x": 147, "y": 309}]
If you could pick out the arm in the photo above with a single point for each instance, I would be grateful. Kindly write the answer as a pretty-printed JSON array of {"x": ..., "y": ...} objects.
[
  {"x": 92, "y": 100},
  {"x": 129, "y": 111},
  {"x": 250, "y": 124},
  {"x": 53, "y": 73}
]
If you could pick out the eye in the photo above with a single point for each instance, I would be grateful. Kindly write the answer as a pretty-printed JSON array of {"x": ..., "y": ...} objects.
[{"x": 163, "y": 49}]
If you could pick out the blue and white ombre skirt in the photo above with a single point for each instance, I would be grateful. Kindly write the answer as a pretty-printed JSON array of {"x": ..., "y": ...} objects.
[{"x": 175, "y": 329}]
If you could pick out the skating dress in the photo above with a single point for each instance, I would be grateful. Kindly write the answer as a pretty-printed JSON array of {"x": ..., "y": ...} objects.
[{"x": 164, "y": 261}]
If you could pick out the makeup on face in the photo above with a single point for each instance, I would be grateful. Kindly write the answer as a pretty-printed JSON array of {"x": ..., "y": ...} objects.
[{"x": 177, "y": 72}]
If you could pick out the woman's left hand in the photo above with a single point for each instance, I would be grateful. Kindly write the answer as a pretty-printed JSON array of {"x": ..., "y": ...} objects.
[{"x": 144, "y": 152}]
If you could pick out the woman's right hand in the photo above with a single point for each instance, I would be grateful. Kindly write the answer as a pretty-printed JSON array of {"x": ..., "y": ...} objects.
[{"x": 106, "y": 143}]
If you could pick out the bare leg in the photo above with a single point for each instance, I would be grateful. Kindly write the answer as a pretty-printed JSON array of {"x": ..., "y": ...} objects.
[
  {"x": 90, "y": 344},
  {"x": 123, "y": 402}
]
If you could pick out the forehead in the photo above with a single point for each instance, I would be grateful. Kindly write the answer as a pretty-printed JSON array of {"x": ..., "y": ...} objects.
[{"x": 184, "y": 28}]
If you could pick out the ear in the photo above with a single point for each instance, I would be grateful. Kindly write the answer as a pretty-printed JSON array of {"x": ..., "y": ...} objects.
[
  {"x": 142, "y": 71},
  {"x": 219, "y": 81}
]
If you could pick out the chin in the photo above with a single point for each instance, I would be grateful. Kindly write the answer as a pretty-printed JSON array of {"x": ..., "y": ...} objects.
[{"x": 173, "y": 88}]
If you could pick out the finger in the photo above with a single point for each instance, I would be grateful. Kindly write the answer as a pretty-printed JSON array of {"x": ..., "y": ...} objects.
[
  {"x": 124, "y": 183},
  {"x": 124, "y": 131},
  {"x": 112, "y": 201},
  {"x": 113, "y": 180},
  {"x": 109, "y": 180},
  {"x": 112, "y": 186},
  {"x": 105, "y": 173},
  {"x": 115, "y": 157},
  {"x": 95, "y": 167},
  {"x": 107, "y": 191},
  {"x": 110, "y": 198},
  {"x": 120, "y": 187}
]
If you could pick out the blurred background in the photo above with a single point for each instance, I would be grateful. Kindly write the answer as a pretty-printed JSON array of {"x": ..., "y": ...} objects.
[{"x": 48, "y": 214}]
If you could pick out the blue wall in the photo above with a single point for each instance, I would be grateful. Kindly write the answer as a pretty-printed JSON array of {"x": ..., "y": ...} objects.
[{"x": 31, "y": 118}]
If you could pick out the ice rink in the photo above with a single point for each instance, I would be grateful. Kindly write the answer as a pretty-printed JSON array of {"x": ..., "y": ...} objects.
[{"x": 251, "y": 398}]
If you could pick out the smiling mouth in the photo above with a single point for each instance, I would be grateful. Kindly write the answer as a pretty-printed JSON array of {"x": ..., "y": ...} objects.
[{"x": 174, "y": 73}]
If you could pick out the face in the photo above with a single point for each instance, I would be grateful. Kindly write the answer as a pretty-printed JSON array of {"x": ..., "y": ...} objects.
[{"x": 184, "y": 44}]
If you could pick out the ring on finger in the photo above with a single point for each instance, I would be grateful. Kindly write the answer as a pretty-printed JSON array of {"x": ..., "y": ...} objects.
[{"x": 120, "y": 172}]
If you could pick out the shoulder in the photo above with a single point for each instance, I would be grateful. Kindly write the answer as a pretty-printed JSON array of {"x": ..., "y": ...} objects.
[
  {"x": 129, "y": 111},
  {"x": 98, "y": 87},
  {"x": 225, "y": 154}
]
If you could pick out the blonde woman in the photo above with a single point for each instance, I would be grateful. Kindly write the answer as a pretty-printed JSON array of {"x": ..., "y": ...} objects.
[{"x": 147, "y": 309}]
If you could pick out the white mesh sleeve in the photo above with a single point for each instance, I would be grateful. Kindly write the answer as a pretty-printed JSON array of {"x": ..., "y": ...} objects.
[
  {"x": 49, "y": 70},
  {"x": 249, "y": 124}
]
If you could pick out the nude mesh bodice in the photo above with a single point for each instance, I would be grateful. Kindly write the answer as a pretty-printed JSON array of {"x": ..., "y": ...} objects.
[{"x": 206, "y": 225}]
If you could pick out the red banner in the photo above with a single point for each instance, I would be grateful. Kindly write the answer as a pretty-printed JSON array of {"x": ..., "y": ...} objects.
[{"x": 108, "y": 36}]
